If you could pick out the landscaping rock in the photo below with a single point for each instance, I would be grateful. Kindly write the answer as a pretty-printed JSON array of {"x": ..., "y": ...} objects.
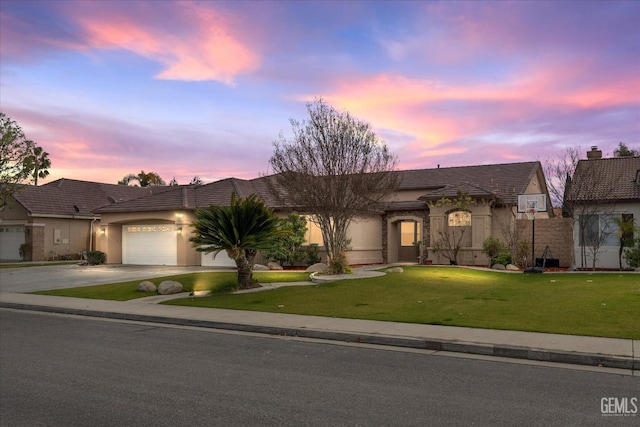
[
  {"x": 147, "y": 286},
  {"x": 512, "y": 267},
  {"x": 499, "y": 267},
  {"x": 394, "y": 270},
  {"x": 318, "y": 268},
  {"x": 260, "y": 267},
  {"x": 169, "y": 287},
  {"x": 274, "y": 266}
]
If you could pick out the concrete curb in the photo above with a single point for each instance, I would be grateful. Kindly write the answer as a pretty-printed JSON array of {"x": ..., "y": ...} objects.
[{"x": 418, "y": 343}]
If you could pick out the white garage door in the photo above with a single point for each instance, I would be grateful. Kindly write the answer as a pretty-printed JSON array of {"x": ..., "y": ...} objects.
[
  {"x": 221, "y": 260},
  {"x": 11, "y": 237},
  {"x": 146, "y": 244}
]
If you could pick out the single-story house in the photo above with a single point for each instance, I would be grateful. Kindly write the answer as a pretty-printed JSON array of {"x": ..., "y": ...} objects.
[
  {"x": 601, "y": 190},
  {"x": 154, "y": 228},
  {"x": 55, "y": 220}
]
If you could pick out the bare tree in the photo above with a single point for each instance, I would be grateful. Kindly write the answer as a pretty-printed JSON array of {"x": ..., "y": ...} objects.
[
  {"x": 450, "y": 239},
  {"x": 589, "y": 203},
  {"x": 558, "y": 172},
  {"x": 336, "y": 168}
]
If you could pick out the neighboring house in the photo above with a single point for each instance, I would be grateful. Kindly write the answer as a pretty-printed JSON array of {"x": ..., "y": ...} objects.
[
  {"x": 55, "y": 220},
  {"x": 601, "y": 190},
  {"x": 156, "y": 229}
]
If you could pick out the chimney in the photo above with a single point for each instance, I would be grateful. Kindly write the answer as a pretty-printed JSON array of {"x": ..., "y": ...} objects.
[{"x": 594, "y": 153}]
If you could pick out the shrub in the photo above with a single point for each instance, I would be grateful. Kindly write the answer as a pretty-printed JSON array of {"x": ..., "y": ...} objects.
[
  {"x": 339, "y": 264},
  {"x": 96, "y": 257},
  {"x": 493, "y": 247},
  {"x": 285, "y": 248},
  {"x": 523, "y": 252},
  {"x": 632, "y": 254},
  {"x": 25, "y": 251},
  {"x": 504, "y": 259},
  {"x": 225, "y": 287},
  {"x": 313, "y": 254}
]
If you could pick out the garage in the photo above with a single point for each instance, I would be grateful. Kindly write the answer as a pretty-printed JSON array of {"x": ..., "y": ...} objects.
[
  {"x": 11, "y": 238},
  {"x": 149, "y": 244},
  {"x": 220, "y": 260}
]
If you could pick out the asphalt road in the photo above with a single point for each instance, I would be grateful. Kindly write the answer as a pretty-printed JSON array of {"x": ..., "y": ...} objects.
[{"x": 72, "y": 371}]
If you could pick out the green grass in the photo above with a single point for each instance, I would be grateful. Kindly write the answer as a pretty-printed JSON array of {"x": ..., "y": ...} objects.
[
  {"x": 599, "y": 304},
  {"x": 602, "y": 304},
  {"x": 200, "y": 281}
]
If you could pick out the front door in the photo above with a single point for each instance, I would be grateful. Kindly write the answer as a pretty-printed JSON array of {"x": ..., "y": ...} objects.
[{"x": 409, "y": 238}]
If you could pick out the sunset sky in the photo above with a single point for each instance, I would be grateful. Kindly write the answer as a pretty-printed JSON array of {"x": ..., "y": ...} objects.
[{"x": 187, "y": 88}]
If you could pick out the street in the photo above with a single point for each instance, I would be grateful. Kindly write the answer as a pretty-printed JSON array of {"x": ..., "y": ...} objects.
[{"x": 60, "y": 370}]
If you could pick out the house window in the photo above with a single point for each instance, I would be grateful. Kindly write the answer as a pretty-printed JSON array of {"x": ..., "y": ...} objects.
[
  {"x": 314, "y": 233},
  {"x": 597, "y": 230},
  {"x": 409, "y": 233},
  {"x": 459, "y": 219}
]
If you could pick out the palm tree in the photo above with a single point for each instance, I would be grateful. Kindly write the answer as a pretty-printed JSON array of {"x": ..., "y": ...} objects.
[
  {"x": 38, "y": 163},
  {"x": 626, "y": 228},
  {"x": 143, "y": 178},
  {"x": 241, "y": 229}
]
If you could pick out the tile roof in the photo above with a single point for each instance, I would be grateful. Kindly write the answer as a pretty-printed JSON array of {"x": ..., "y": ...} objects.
[
  {"x": 614, "y": 179},
  {"x": 503, "y": 181},
  {"x": 69, "y": 197}
]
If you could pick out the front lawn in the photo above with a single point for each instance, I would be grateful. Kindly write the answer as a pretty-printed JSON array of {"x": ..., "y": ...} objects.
[
  {"x": 199, "y": 281},
  {"x": 600, "y": 304}
]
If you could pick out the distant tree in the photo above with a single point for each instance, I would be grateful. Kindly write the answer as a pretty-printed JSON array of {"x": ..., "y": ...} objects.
[
  {"x": 14, "y": 150},
  {"x": 558, "y": 171},
  {"x": 173, "y": 181},
  {"x": 241, "y": 229},
  {"x": 286, "y": 249},
  {"x": 196, "y": 181},
  {"x": 143, "y": 178},
  {"x": 624, "y": 151},
  {"x": 38, "y": 162},
  {"x": 336, "y": 168}
]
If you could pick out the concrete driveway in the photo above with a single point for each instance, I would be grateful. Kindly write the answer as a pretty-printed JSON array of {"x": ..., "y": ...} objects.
[{"x": 29, "y": 279}]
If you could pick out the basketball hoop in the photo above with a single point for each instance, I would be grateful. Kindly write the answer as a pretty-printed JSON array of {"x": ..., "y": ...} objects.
[{"x": 531, "y": 213}]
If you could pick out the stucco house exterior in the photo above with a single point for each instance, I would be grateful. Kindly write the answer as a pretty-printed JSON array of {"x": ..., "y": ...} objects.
[
  {"x": 601, "y": 190},
  {"x": 154, "y": 228},
  {"x": 56, "y": 219}
]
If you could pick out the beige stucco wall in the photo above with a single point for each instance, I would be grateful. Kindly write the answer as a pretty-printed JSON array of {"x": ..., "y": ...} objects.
[
  {"x": 366, "y": 241},
  {"x": 65, "y": 236},
  {"x": 73, "y": 233}
]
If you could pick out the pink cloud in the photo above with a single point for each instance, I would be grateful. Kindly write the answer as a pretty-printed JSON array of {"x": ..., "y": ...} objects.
[{"x": 206, "y": 47}]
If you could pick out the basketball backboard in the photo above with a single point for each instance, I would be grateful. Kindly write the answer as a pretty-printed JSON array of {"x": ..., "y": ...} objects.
[{"x": 526, "y": 202}]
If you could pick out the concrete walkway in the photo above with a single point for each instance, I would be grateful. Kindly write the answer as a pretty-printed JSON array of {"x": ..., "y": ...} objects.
[{"x": 592, "y": 351}]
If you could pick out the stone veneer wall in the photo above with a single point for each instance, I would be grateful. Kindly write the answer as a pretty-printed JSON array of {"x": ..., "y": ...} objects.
[
  {"x": 389, "y": 216},
  {"x": 554, "y": 232},
  {"x": 35, "y": 237}
]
